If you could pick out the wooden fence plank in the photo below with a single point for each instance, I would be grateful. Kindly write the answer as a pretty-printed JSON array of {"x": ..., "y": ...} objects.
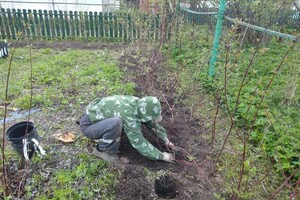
[
  {"x": 133, "y": 24},
  {"x": 129, "y": 35},
  {"x": 76, "y": 22},
  {"x": 52, "y": 24},
  {"x": 15, "y": 21},
  {"x": 91, "y": 23},
  {"x": 47, "y": 26},
  {"x": 36, "y": 24},
  {"x": 115, "y": 26},
  {"x": 26, "y": 23},
  {"x": 87, "y": 26},
  {"x": 41, "y": 23},
  {"x": 31, "y": 23},
  {"x": 11, "y": 28},
  {"x": 5, "y": 24},
  {"x": 101, "y": 25},
  {"x": 2, "y": 28},
  {"x": 57, "y": 27},
  {"x": 82, "y": 24},
  {"x": 120, "y": 27},
  {"x": 110, "y": 24},
  {"x": 125, "y": 26},
  {"x": 18, "y": 23},
  {"x": 157, "y": 27},
  {"x": 67, "y": 23},
  {"x": 72, "y": 24},
  {"x": 62, "y": 24},
  {"x": 96, "y": 19},
  {"x": 105, "y": 35}
]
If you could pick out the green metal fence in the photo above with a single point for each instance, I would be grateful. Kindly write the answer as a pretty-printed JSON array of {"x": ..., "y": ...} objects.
[{"x": 69, "y": 24}]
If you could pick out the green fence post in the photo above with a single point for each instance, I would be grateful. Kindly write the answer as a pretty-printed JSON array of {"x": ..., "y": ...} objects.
[
  {"x": 129, "y": 34},
  {"x": 67, "y": 23},
  {"x": 31, "y": 22},
  {"x": 87, "y": 26},
  {"x": 101, "y": 25},
  {"x": 62, "y": 23},
  {"x": 82, "y": 24},
  {"x": 57, "y": 24},
  {"x": 71, "y": 25},
  {"x": 218, "y": 33},
  {"x": 91, "y": 22},
  {"x": 41, "y": 23},
  {"x": 125, "y": 26},
  {"x": 96, "y": 24},
  {"x": 47, "y": 25},
  {"x": 26, "y": 23},
  {"x": 11, "y": 24},
  {"x": 52, "y": 24},
  {"x": 105, "y": 25},
  {"x": 6, "y": 22},
  {"x": 115, "y": 26},
  {"x": 36, "y": 23},
  {"x": 2, "y": 15},
  {"x": 14, "y": 21},
  {"x": 120, "y": 27},
  {"x": 77, "y": 24},
  {"x": 111, "y": 29}
]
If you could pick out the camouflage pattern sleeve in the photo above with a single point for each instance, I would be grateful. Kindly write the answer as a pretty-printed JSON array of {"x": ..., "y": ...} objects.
[
  {"x": 138, "y": 141},
  {"x": 158, "y": 130}
]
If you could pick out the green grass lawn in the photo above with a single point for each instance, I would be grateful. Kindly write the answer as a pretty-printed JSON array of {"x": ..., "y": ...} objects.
[
  {"x": 62, "y": 81},
  {"x": 60, "y": 78}
]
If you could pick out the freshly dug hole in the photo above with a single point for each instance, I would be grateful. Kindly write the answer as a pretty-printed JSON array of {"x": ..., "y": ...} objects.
[{"x": 165, "y": 187}]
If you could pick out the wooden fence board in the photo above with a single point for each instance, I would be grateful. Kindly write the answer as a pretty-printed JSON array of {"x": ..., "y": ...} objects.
[
  {"x": 68, "y": 24},
  {"x": 62, "y": 24},
  {"x": 56, "y": 20},
  {"x": 40, "y": 22},
  {"x": 36, "y": 24},
  {"x": 76, "y": 24},
  {"x": 47, "y": 24},
  {"x": 5, "y": 25}
]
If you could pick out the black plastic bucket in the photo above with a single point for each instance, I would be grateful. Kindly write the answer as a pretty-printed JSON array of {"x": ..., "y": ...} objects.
[{"x": 22, "y": 130}]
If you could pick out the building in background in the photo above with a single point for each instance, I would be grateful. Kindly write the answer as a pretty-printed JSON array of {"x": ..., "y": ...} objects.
[{"x": 69, "y": 5}]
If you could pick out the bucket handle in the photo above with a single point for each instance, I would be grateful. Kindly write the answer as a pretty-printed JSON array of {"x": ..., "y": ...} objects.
[
  {"x": 25, "y": 150},
  {"x": 36, "y": 145}
]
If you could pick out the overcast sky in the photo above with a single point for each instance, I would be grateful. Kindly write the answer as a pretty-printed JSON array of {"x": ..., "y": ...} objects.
[{"x": 48, "y": 4}]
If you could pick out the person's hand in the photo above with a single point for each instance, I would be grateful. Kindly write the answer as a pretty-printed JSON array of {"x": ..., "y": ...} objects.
[
  {"x": 168, "y": 157},
  {"x": 170, "y": 145}
]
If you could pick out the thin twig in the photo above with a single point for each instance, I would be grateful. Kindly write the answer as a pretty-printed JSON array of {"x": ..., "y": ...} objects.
[{"x": 283, "y": 184}]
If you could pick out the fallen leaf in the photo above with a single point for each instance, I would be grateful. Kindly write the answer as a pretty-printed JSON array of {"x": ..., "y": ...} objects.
[{"x": 66, "y": 137}]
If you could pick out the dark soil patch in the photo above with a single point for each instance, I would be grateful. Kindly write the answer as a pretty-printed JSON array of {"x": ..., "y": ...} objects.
[
  {"x": 70, "y": 44},
  {"x": 192, "y": 175},
  {"x": 134, "y": 185},
  {"x": 165, "y": 187},
  {"x": 191, "y": 172}
]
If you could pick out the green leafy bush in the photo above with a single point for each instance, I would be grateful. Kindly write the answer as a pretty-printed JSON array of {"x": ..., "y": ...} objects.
[{"x": 273, "y": 124}]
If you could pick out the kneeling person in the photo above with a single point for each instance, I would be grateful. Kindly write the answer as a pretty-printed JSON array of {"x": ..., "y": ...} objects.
[{"x": 106, "y": 117}]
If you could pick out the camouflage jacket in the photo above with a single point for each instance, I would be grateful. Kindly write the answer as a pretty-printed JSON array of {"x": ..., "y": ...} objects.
[{"x": 134, "y": 112}]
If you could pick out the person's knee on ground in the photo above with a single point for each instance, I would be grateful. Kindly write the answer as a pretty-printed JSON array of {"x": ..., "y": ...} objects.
[{"x": 110, "y": 142}]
